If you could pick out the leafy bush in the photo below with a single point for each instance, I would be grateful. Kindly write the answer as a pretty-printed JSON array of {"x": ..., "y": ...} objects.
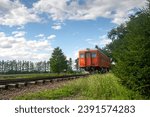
[{"x": 131, "y": 52}]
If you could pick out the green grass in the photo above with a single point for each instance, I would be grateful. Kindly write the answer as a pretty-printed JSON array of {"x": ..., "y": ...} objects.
[
  {"x": 98, "y": 87},
  {"x": 33, "y": 75}
]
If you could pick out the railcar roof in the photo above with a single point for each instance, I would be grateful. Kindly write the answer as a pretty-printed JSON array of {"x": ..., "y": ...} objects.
[{"x": 88, "y": 50}]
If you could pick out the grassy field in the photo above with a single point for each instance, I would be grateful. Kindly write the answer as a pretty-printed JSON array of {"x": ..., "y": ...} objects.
[
  {"x": 33, "y": 75},
  {"x": 98, "y": 87}
]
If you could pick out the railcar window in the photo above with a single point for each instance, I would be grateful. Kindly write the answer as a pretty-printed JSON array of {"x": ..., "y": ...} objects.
[
  {"x": 81, "y": 55},
  {"x": 93, "y": 55},
  {"x": 88, "y": 55}
]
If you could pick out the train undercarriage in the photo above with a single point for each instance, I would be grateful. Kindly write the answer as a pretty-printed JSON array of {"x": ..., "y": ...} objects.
[{"x": 92, "y": 69}]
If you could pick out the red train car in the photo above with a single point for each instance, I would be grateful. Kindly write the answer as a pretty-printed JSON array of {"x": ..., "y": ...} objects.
[{"x": 93, "y": 60}]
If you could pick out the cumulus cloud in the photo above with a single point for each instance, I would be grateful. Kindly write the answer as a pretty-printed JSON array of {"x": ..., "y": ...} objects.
[
  {"x": 55, "y": 8},
  {"x": 13, "y": 13},
  {"x": 22, "y": 49},
  {"x": 102, "y": 41},
  {"x": 56, "y": 27},
  {"x": 20, "y": 27},
  {"x": 116, "y": 10},
  {"x": 40, "y": 35},
  {"x": 51, "y": 37},
  {"x": 18, "y": 33},
  {"x": 44, "y": 37}
]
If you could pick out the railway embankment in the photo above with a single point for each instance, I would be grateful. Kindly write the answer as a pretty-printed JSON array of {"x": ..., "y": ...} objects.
[
  {"x": 93, "y": 87},
  {"x": 16, "y": 90}
]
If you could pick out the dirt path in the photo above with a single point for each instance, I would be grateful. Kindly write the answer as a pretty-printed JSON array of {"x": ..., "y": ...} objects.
[{"x": 11, "y": 93}]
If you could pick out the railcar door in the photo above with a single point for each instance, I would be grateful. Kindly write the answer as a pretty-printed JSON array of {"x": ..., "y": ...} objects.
[
  {"x": 94, "y": 59},
  {"x": 88, "y": 58}
]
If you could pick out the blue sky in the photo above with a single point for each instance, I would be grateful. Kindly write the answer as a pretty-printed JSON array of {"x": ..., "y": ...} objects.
[{"x": 31, "y": 29}]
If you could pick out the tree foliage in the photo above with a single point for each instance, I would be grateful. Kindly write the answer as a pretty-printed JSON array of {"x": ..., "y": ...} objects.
[
  {"x": 69, "y": 64},
  {"x": 130, "y": 50},
  {"x": 58, "y": 62},
  {"x": 17, "y": 67}
]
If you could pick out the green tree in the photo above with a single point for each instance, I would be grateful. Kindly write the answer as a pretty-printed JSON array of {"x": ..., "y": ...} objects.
[
  {"x": 69, "y": 69},
  {"x": 117, "y": 37},
  {"x": 58, "y": 62},
  {"x": 131, "y": 51}
]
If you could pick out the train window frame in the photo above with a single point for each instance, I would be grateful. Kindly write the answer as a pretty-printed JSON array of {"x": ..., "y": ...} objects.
[
  {"x": 93, "y": 54},
  {"x": 82, "y": 55},
  {"x": 87, "y": 55}
]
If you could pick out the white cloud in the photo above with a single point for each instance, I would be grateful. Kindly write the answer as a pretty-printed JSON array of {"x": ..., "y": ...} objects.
[
  {"x": 22, "y": 49},
  {"x": 56, "y": 27},
  {"x": 2, "y": 34},
  {"x": 13, "y": 13},
  {"x": 40, "y": 35},
  {"x": 62, "y": 10},
  {"x": 55, "y": 8},
  {"x": 76, "y": 54},
  {"x": 44, "y": 37},
  {"x": 89, "y": 40},
  {"x": 18, "y": 33},
  {"x": 51, "y": 37},
  {"x": 20, "y": 27},
  {"x": 102, "y": 41}
]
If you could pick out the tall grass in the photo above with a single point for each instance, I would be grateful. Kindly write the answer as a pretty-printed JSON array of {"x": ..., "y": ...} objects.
[
  {"x": 99, "y": 87},
  {"x": 106, "y": 86}
]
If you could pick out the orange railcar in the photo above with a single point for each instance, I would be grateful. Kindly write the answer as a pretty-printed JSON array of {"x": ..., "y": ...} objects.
[{"x": 93, "y": 60}]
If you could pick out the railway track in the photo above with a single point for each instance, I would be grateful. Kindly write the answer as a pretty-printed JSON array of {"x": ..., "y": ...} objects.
[{"x": 20, "y": 82}]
